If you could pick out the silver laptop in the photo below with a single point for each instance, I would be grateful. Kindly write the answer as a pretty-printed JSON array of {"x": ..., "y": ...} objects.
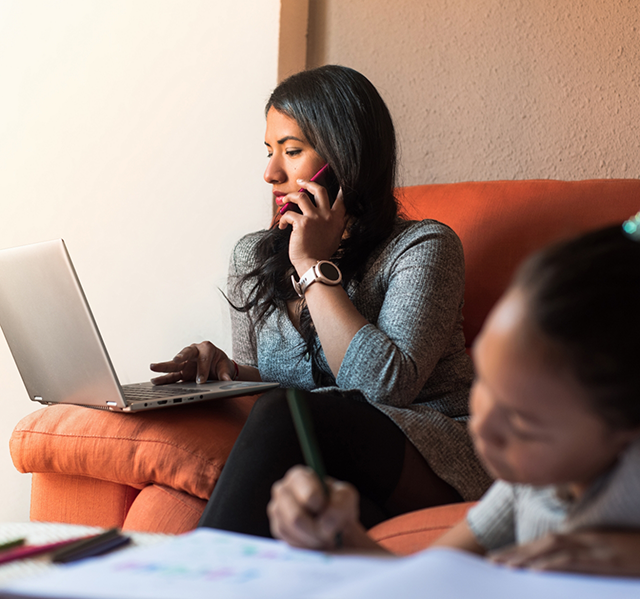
[{"x": 58, "y": 349}]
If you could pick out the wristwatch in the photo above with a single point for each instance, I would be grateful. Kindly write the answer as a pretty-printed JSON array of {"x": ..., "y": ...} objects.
[{"x": 324, "y": 271}]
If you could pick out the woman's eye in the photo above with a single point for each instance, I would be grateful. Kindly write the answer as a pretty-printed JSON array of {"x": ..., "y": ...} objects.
[
  {"x": 269, "y": 154},
  {"x": 293, "y": 152}
]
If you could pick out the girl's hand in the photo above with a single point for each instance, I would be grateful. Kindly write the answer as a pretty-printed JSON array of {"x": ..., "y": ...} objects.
[
  {"x": 199, "y": 362},
  {"x": 302, "y": 515},
  {"x": 609, "y": 553},
  {"x": 317, "y": 232}
]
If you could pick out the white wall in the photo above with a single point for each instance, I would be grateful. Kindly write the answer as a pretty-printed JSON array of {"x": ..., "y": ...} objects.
[
  {"x": 134, "y": 130},
  {"x": 496, "y": 89}
]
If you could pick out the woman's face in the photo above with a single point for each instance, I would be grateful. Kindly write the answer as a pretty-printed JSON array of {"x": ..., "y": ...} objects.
[
  {"x": 290, "y": 155},
  {"x": 531, "y": 421}
]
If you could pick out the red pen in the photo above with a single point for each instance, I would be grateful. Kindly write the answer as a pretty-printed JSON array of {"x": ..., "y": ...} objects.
[{"x": 33, "y": 550}]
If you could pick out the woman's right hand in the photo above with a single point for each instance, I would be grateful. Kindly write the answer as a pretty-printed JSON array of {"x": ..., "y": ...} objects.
[
  {"x": 302, "y": 515},
  {"x": 199, "y": 362}
]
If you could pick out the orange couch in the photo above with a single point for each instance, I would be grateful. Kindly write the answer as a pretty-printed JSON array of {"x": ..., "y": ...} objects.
[{"x": 155, "y": 471}]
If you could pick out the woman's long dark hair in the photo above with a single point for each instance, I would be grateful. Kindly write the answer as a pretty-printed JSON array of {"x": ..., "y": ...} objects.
[
  {"x": 584, "y": 296},
  {"x": 347, "y": 123}
]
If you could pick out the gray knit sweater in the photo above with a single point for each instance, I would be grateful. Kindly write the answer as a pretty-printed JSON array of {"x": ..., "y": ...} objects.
[{"x": 409, "y": 361}]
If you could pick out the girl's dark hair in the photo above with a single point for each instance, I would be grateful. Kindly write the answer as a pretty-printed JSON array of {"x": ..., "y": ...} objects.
[
  {"x": 347, "y": 123},
  {"x": 584, "y": 295}
]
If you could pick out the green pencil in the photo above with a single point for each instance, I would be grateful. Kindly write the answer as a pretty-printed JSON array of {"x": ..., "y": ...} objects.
[
  {"x": 304, "y": 427},
  {"x": 308, "y": 442},
  {"x": 12, "y": 544}
]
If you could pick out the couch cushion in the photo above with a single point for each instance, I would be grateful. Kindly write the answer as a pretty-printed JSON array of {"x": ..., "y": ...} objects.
[
  {"x": 79, "y": 500},
  {"x": 183, "y": 448},
  {"x": 500, "y": 222},
  {"x": 160, "y": 509},
  {"x": 415, "y": 531}
]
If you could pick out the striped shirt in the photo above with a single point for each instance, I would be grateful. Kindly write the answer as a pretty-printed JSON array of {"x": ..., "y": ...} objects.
[{"x": 515, "y": 513}]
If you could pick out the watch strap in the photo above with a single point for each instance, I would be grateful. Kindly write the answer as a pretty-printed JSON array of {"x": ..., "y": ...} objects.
[{"x": 312, "y": 275}]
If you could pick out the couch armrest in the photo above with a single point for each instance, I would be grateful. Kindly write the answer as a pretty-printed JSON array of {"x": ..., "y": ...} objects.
[{"x": 183, "y": 448}]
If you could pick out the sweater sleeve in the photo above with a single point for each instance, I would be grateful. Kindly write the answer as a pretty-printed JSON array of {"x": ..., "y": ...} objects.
[
  {"x": 421, "y": 279},
  {"x": 243, "y": 334},
  {"x": 612, "y": 501},
  {"x": 492, "y": 520}
]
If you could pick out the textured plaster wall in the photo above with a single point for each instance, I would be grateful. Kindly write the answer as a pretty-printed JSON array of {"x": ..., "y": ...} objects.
[{"x": 496, "y": 89}]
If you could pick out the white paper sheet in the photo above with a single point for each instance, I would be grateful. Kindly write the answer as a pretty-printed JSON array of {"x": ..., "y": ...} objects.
[
  {"x": 203, "y": 564},
  {"x": 449, "y": 574},
  {"x": 214, "y": 564}
]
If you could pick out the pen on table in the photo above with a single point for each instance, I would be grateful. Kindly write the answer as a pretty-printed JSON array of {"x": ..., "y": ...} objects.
[
  {"x": 12, "y": 544},
  {"x": 25, "y": 551},
  {"x": 86, "y": 546},
  {"x": 91, "y": 547},
  {"x": 308, "y": 443}
]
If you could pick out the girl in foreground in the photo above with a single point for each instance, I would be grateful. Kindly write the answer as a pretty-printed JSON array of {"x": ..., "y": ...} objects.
[{"x": 555, "y": 417}]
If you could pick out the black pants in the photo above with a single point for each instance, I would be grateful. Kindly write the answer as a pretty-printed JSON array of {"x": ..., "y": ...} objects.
[{"x": 358, "y": 443}]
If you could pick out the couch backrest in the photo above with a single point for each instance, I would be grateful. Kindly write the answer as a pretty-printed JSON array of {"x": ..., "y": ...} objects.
[{"x": 501, "y": 222}]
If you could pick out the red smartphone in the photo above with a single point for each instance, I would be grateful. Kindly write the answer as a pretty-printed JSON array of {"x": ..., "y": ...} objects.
[{"x": 324, "y": 177}]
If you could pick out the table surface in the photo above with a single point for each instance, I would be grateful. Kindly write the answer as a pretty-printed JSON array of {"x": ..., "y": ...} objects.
[{"x": 38, "y": 533}]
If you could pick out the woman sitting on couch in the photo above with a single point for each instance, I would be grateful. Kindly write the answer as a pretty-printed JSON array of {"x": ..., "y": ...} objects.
[{"x": 348, "y": 302}]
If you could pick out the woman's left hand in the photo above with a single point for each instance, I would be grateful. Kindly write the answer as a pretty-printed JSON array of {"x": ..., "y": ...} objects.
[
  {"x": 317, "y": 232},
  {"x": 608, "y": 553},
  {"x": 316, "y": 235}
]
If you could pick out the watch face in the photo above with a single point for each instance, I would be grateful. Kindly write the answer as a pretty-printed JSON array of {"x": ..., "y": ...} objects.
[{"x": 329, "y": 271}]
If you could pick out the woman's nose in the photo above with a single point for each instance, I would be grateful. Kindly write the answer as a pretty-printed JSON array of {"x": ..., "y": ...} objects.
[{"x": 274, "y": 174}]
